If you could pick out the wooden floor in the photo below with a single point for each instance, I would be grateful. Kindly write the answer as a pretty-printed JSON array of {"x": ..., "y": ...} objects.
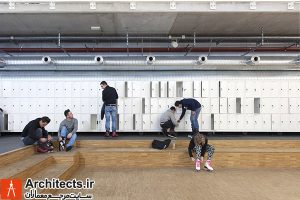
[{"x": 252, "y": 157}]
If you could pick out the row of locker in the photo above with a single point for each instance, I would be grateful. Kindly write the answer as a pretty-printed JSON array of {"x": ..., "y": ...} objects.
[
  {"x": 148, "y": 122},
  {"x": 147, "y": 89},
  {"x": 151, "y": 105}
]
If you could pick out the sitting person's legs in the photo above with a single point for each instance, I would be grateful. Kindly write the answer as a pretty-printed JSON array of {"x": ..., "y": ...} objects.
[{"x": 33, "y": 137}]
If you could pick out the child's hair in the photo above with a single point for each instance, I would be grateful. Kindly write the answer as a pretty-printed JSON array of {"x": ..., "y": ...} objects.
[{"x": 199, "y": 139}]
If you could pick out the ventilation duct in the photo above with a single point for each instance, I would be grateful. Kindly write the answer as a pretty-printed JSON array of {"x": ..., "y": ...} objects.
[
  {"x": 46, "y": 59},
  {"x": 202, "y": 59},
  {"x": 150, "y": 59}
]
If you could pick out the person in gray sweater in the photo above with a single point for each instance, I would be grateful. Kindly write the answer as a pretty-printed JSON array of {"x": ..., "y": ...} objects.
[
  {"x": 169, "y": 122},
  {"x": 67, "y": 131}
]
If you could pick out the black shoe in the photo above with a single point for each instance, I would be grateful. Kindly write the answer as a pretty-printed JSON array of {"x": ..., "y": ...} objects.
[
  {"x": 164, "y": 132},
  {"x": 69, "y": 148},
  {"x": 61, "y": 145},
  {"x": 106, "y": 134},
  {"x": 171, "y": 135}
]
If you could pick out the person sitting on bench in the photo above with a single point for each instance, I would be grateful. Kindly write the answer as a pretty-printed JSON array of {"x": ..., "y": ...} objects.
[
  {"x": 67, "y": 131},
  {"x": 168, "y": 121},
  {"x": 35, "y": 131}
]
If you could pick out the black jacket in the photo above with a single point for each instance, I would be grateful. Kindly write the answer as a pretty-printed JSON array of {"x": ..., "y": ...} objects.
[
  {"x": 192, "y": 145},
  {"x": 109, "y": 95},
  {"x": 189, "y": 104},
  {"x": 31, "y": 127}
]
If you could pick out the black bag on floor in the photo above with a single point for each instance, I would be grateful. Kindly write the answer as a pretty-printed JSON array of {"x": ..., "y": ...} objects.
[{"x": 157, "y": 144}]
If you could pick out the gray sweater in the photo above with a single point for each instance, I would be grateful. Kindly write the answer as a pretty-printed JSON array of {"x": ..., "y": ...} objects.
[
  {"x": 168, "y": 115},
  {"x": 72, "y": 126}
]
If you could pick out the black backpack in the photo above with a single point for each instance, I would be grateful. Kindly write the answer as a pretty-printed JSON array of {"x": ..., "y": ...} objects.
[{"x": 157, "y": 144}]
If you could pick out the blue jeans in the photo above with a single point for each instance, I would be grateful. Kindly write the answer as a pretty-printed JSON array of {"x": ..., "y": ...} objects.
[
  {"x": 64, "y": 132},
  {"x": 33, "y": 137},
  {"x": 194, "y": 119},
  {"x": 110, "y": 111}
]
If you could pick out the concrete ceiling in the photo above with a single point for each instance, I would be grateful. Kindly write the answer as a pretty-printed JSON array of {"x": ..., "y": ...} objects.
[{"x": 173, "y": 23}]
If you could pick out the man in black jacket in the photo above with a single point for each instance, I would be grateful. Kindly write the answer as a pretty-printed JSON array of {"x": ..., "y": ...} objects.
[
  {"x": 35, "y": 131},
  {"x": 109, "y": 97}
]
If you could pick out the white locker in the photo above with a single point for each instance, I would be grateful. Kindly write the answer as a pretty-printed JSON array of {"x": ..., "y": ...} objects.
[
  {"x": 171, "y": 88},
  {"x": 129, "y": 88},
  {"x": 88, "y": 89},
  {"x": 205, "y": 122},
  {"x": 294, "y": 104},
  {"x": 27, "y": 106},
  {"x": 205, "y": 105},
  {"x": 214, "y": 88},
  {"x": 138, "y": 124},
  {"x": 214, "y": 105},
  {"x": 154, "y": 88},
  {"x": 228, "y": 88},
  {"x": 92, "y": 104},
  {"x": 223, "y": 122},
  {"x": 240, "y": 122},
  {"x": 162, "y": 105},
  {"x": 155, "y": 122},
  {"x": 84, "y": 105},
  {"x": 59, "y": 117},
  {"x": 75, "y": 89},
  {"x": 197, "y": 89},
  {"x": 240, "y": 89},
  {"x": 43, "y": 105},
  {"x": 120, "y": 88},
  {"x": 284, "y": 105},
  {"x": 146, "y": 122},
  {"x": 154, "y": 106},
  {"x": 216, "y": 122},
  {"x": 252, "y": 88},
  {"x": 275, "y": 122},
  {"x": 51, "y": 126},
  {"x": 136, "y": 105},
  {"x": 284, "y": 88},
  {"x": 45, "y": 89},
  {"x": 21, "y": 121},
  {"x": 247, "y": 105},
  {"x": 231, "y": 105},
  {"x": 146, "y": 105},
  {"x": 144, "y": 89},
  {"x": 223, "y": 105},
  {"x": 7, "y": 88},
  {"x": 270, "y": 89},
  {"x": 248, "y": 122},
  {"x": 128, "y": 122},
  {"x": 12, "y": 105},
  {"x": 84, "y": 122},
  {"x": 75, "y": 105},
  {"x": 121, "y": 105},
  {"x": 266, "y": 122},
  {"x": 163, "y": 89},
  {"x": 187, "y": 89},
  {"x": 295, "y": 122},
  {"x": 11, "y": 122},
  {"x": 285, "y": 122},
  {"x": 63, "y": 89},
  {"x": 294, "y": 89},
  {"x": 121, "y": 124},
  {"x": 257, "y": 122},
  {"x": 205, "y": 89},
  {"x": 128, "y": 105},
  {"x": 61, "y": 104},
  {"x": 231, "y": 122},
  {"x": 170, "y": 102},
  {"x": 23, "y": 90}
]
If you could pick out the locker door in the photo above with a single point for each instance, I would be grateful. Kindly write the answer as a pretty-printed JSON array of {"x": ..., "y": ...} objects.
[
  {"x": 92, "y": 104},
  {"x": 247, "y": 105},
  {"x": 145, "y": 89},
  {"x": 240, "y": 122},
  {"x": 58, "y": 117},
  {"x": 266, "y": 122},
  {"x": 163, "y": 89},
  {"x": 13, "y": 105},
  {"x": 146, "y": 105},
  {"x": 129, "y": 88},
  {"x": 146, "y": 122},
  {"x": 216, "y": 122},
  {"x": 63, "y": 89},
  {"x": 266, "y": 105},
  {"x": 45, "y": 105},
  {"x": 285, "y": 122},
  {"x": 284, "y": 88},
  {"x": 84, "y": 105},
  {"x": 172, "y": 88},
  {"x": 275, "y": 105},
  {"x": 154, "y": 88},
  {"x": 294, "y": 105},
  {"x": 240, "y": 89},
  {"x": 205, "y": 122},
  {"x": 223, "y": 105},
  {"x": 295, "y": 119},
  {"x": 23, "y": 90},
  {"x": 197, "y": 89},
  {"x": 275, "y": 122},
  {"x": 76, "y": 89},
  {"x": 266, "y": 88},
  {"x": 257, "y": 121},
  {"x": 231, "y": 122},
  {"x": 214, "y": 105},
  {"x": 127, "y": 105},
  {"x": 188, "y": 89},
  {"x": 231, "y": 105},
  {"x": 223, "y": 122},
  {"x": 7, "y": 88},
  {"x": 84, "y": 122},
  {"x": 273, "y": 88},
  {"x": 138, "y": 124},
  {"x": 170, "y": 102},
  {"x": 187, "y": 123},
  {"x": 154, "y": 106},
  {"x": 214, "y": 88},
  {"x": 85, "y": 90},
  {"x": 121, "y": 105},
  {"x": 75, "y": 105},
  {"x": 223, "y": 88},
  {"x": 137, "y": 89},
  {"x": 284, "y": 105},
  {"x": 51, "y": 126},
  {"x": 231, "y": 89},
  {"x": 121, "y": 119},
  {"x": 205, "y": 89},
  {"x": 294, "y": 89},
  {"x": 162, "y": 105},
  {"x": 48, "y": 89},
  {"x": 205, "y": 103},
  {"x": 248, "y": 122},
  {"x": 128, "y": 122},
  {"x": 21, "y": 121},
  {"x": 120, "y": 88},
  {"x": 137, "y": 105}
]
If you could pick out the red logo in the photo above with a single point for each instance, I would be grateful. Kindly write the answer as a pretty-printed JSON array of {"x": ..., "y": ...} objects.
[{"x": 11, "y": 189}]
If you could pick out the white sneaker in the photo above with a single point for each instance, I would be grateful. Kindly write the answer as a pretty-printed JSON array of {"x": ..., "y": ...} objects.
[{"x": 208, "y": 165}]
